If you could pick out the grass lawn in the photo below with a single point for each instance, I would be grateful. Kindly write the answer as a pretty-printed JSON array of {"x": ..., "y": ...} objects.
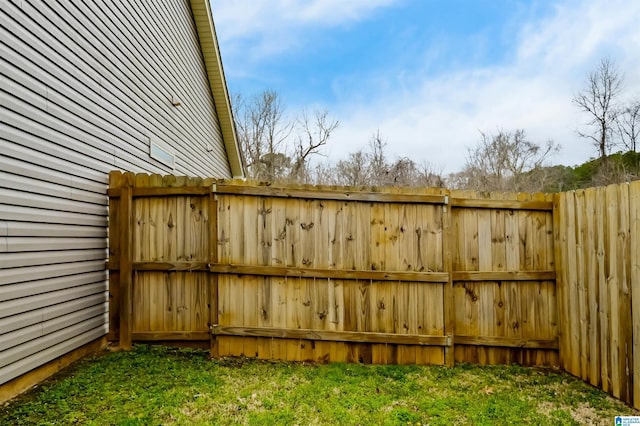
[{"x": 169, "y": 386}]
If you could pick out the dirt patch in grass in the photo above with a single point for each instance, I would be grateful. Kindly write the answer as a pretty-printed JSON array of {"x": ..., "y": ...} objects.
[{"x": 159, "y": 385}]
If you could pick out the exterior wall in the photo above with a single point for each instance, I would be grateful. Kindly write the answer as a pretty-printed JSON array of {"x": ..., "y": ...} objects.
[{"x": 85, "y": 88}]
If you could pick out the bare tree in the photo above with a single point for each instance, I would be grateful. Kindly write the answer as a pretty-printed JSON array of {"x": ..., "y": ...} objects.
[
  {"x": 314, "y": 134},
  {"x": 429, "y": 176},
  {"x": 274, "y": 147},
  {"x": 507, "y": 161},
  {"x": 598, "y": 99},
  {"x": 370, "y": 167},
  {"x": 378, "y": 164},
  {"x": 263, "y": 130},
  {"x": 354, "y": 170},
  {"x": 628, "y": 125}
]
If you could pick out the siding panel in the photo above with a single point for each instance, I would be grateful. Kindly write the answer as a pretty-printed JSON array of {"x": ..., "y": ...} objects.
[
  {"x": 42, "y": 328},
  {"x": 16, "y": 260},
  {"x": 38, "y": 357},
  {"x": 85, "y": 88},
  {"x": 28, "y": 319}
]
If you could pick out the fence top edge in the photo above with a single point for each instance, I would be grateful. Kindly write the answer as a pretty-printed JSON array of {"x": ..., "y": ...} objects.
[{"x": 118, "y": 177}]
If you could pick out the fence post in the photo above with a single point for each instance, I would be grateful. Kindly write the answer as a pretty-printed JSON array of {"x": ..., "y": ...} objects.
[
  {"x": 449, "y": 359},
  {"x": 113, "y": 264},
  {"x": 213, "y": 258},
  {"x": 126, "y": 264}
]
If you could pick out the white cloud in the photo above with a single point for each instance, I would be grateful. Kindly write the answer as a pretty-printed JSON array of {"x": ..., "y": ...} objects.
[
  {"x": 437, "y": 118},
  {"x": 267, "y": 27}
]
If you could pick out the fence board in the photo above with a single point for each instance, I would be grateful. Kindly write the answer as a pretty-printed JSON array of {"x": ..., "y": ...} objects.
[
  {"x": 591, "y": 339},
  {"x": 634, "y": 273}
]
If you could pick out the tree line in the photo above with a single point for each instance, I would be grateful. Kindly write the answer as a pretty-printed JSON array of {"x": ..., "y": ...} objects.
[{"x": 277, "y": 147}]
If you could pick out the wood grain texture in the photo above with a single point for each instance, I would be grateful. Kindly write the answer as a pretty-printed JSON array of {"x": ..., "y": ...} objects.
[
  {"x": 336, "y": 336},
  {"x": 343, "y": 274},
  {"x": 339, "y": 194},
  {"x": 634, "y": 274}
]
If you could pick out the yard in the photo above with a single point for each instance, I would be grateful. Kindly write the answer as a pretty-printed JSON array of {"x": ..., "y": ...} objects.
[{"x": 160, "y": 385}]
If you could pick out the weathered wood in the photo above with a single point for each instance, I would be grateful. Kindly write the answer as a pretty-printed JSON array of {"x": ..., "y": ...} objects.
[
  {"x": 278, "y": 271},
  {"x": 504, "y": 276},
  {"x": 448, "y": 294},
  {"x": 338, "y": 195},
  {"x": 634, "y": 249},
  {"x": 604, "y": 312},
  {"x": 162, "y": 266},
  {"x": 334, "y": 336},
  {"x": 581, "y": 295},
  {"x": 591, "y": 272},
  {"x": 170, "y": 335},
  {"x": 623, "y": 264},
  {"x": 125, "y": 221},
  {"x": 507, "y": 342},
  {"x": 115, "y": 181},
  {"x": 290, "y": 260},
  {"x": 501, "y": 204},
  {"x": 144, "y": 191},
  {"x": 213, "y": 278},
  {"x": 614, "y": 283}
]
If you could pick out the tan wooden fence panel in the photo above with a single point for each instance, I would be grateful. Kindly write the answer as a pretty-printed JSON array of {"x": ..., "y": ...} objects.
[
  {"x": 333, "y": 274},
  {"x": 295, "y": 249},
  {"x": 504, "y": 278},
  {"x": 170, "y": 289},
  {"x": 598, "y": 245}
]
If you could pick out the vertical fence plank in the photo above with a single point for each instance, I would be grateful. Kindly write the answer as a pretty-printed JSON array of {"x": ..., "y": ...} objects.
[
  {"x": 613, "y": 283},
  {"x": 214, "y": 239},
  {"x": 560, "y": 248},
  {"x": 572, "y": 286},
  {"x": 623, "y": 262},
  {"x": 278, "y": 258},
  {"x": 126, "y": 264},
  {"x": 634, "y": 255},
  {"x": 590, "y": 274},
  {"x": 581, "y": 280},
  {"x": 603, "y": 296},
  {"x": 448, "y": 293}
]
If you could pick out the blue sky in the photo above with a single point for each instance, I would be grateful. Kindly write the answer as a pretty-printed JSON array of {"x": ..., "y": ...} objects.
[{"x": 430, "y": 74}]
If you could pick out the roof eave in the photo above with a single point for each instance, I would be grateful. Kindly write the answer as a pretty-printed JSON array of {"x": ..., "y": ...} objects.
[{"x": 213, "y": 63}]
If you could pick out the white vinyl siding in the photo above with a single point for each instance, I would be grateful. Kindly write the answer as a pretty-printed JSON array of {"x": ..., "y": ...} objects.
[{"x": 85, "y": 88}]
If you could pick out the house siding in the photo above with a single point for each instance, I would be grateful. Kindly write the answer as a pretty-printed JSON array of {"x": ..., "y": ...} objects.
[{"x": 85, "y": 88}]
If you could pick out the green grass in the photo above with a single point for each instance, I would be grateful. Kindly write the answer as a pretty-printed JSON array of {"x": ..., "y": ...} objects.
[{"x": 169, "y": 386}]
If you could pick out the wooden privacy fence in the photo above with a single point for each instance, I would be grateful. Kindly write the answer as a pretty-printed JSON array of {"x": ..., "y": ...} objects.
[
  {"x": 333, "y": 274},
  {"x": 598, "y": 251}
]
